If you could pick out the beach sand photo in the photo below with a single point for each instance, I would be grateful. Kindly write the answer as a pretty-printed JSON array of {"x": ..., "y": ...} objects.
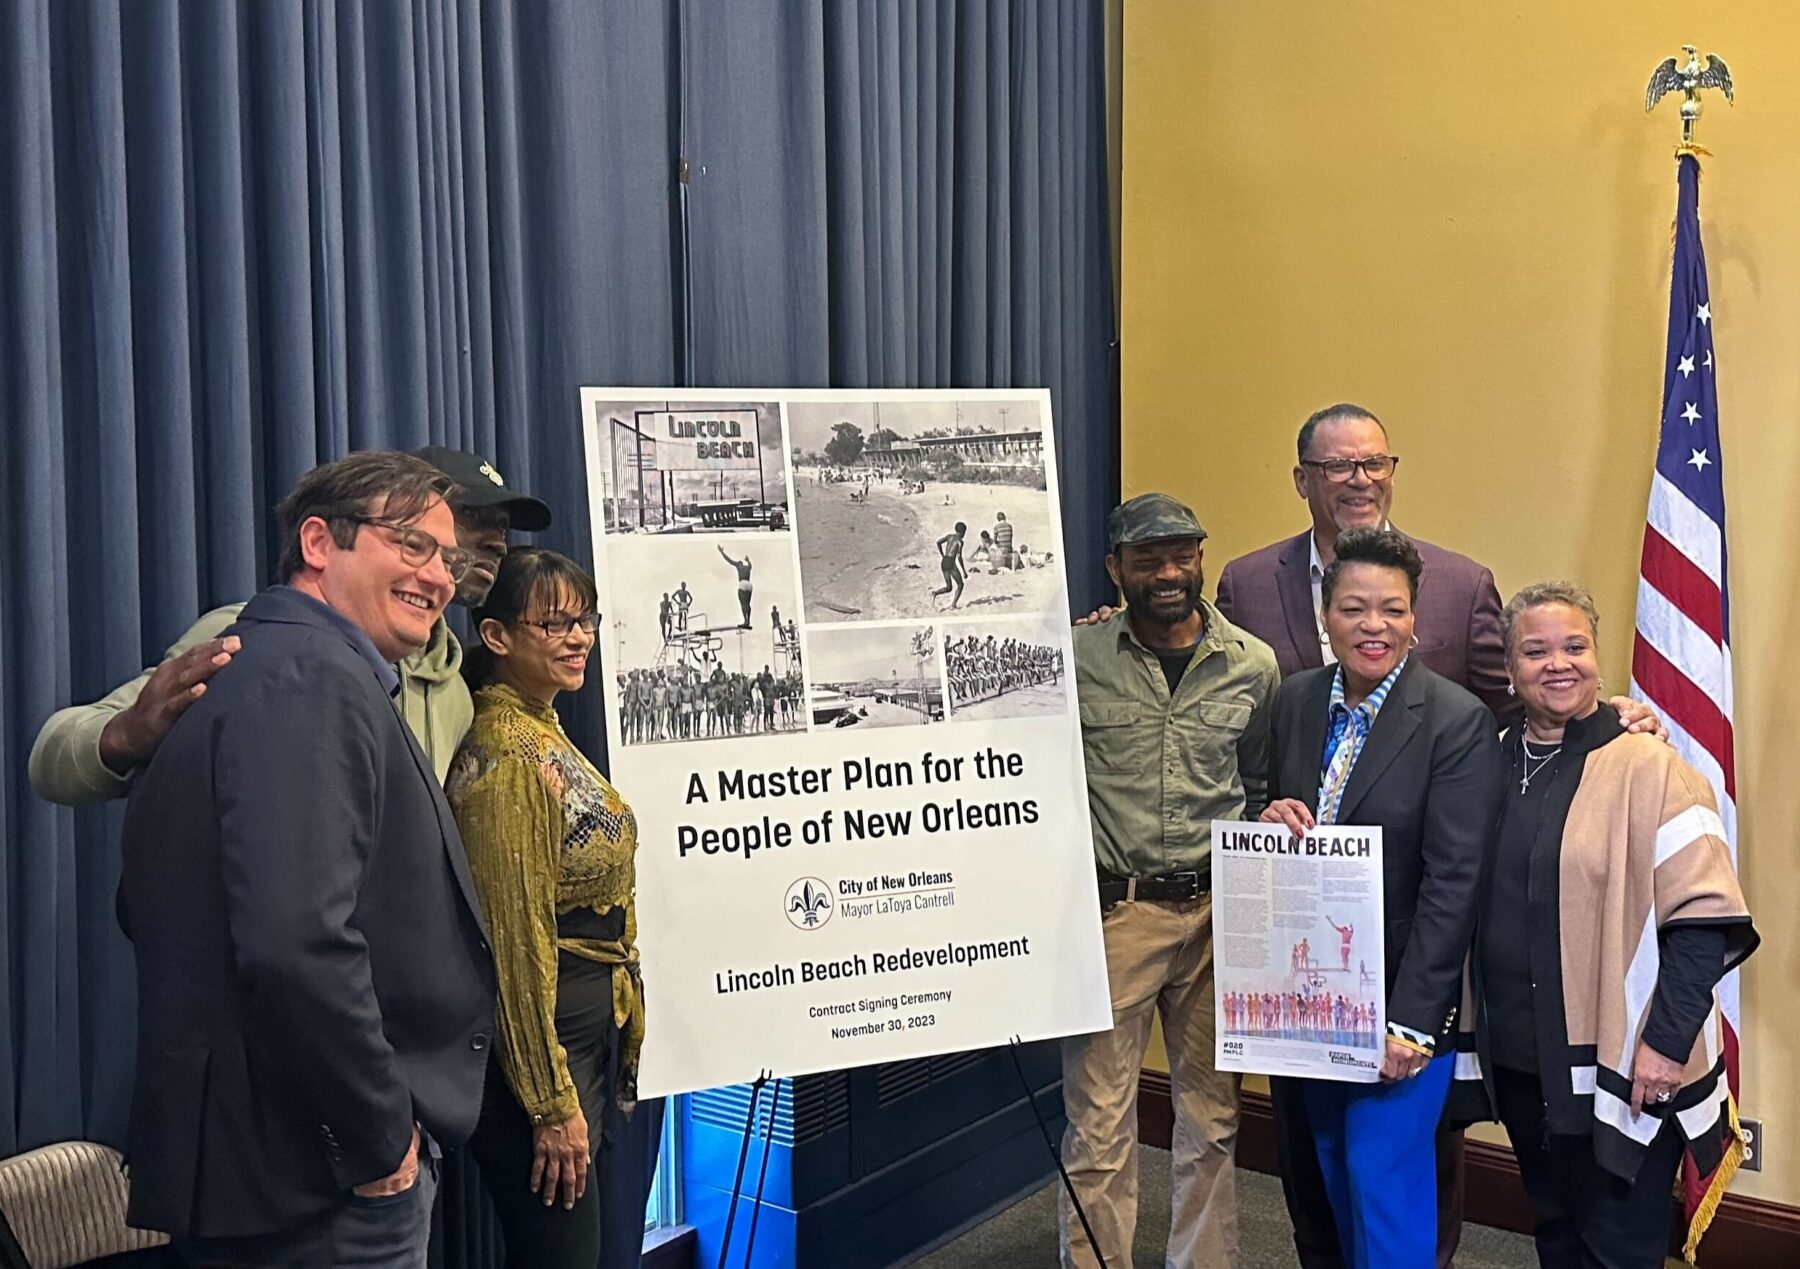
[{"x": 881, "y": 489}]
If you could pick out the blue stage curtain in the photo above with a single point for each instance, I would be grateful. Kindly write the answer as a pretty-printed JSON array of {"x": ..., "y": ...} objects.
[
  {"x": 237, "y": 240},
  {"x": 240, "y": 239},
  {"x": 911, "y": 196}
]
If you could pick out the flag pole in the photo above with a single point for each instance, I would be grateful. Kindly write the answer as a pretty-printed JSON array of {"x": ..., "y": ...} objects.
[{"x": 1689, "y": 438}]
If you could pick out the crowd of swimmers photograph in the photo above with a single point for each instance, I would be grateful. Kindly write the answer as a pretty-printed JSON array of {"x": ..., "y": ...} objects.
[
  {"x": 681, "y": 702},
  {"x": 980, "y": 668}
]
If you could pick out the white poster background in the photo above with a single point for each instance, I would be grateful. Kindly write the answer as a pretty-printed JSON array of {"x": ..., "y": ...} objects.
[
  {"x": 1298, "y": 951},
  {"x": 841, "y": 898}
]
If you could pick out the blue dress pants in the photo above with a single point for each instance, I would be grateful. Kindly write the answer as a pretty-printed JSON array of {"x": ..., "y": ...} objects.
[{"x": 1376, "y": 1145}]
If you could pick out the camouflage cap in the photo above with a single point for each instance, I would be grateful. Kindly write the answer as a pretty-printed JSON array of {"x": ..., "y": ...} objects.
[{"x": 1150, "y": 517}]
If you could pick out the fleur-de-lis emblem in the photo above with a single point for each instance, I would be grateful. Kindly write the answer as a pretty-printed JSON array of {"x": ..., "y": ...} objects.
[{"x": 809, "y": 903}]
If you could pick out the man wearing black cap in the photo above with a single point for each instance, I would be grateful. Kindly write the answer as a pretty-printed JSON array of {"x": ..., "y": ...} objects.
[
  {"x": 1175, "y": 706},
  {"x": 86, "y": 753}
]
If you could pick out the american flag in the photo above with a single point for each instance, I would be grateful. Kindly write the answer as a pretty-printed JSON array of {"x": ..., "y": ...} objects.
[{"x": 1681, "y": 657}]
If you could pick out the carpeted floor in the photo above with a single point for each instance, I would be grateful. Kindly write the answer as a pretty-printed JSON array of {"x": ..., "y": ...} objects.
[{"x": 1024, "y": 1236}]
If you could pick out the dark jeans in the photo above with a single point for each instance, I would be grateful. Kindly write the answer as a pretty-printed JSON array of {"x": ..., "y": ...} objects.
[
  {"x": 1309, "y": 1204},
  {"x": 359, "y": 1233},
  {"x": 605, "y": 1228},
  {"x": 1587, "y": 1218}
]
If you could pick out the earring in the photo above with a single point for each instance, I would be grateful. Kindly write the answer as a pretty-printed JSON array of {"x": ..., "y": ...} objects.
[
  {"x": 1511, "y": 691},
  {"x": 1599, "y": 685}
]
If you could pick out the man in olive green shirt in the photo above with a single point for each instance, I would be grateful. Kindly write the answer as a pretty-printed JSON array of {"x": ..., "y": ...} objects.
[{"x": 1175, "y": 705}]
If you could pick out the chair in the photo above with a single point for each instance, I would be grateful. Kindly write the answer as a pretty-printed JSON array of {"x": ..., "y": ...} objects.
[{"x": 65, "y": 1205}]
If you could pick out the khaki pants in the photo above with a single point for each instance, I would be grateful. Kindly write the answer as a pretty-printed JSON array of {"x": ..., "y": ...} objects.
[{"x": 1159, "y": 960}]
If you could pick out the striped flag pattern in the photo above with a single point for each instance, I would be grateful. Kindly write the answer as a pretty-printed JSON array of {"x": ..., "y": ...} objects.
[{"x": 1681, "y": 655}]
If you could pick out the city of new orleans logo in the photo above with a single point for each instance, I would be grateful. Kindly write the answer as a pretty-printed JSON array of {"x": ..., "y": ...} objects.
[{"x": 808, "y": 903}]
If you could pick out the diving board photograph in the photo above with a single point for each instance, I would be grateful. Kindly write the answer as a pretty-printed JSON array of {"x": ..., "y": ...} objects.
[{"x": 705, "y": 645}]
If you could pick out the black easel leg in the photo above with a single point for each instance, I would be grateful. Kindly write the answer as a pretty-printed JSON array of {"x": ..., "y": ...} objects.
[
  {"x": 762, "y": 1173},
  {"x": 1068, "y": 1185},
  {"x": 737, "y": 1182}
]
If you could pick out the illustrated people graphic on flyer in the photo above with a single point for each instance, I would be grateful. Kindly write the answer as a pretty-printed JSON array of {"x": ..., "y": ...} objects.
[{"x": 1346, "y": 932}]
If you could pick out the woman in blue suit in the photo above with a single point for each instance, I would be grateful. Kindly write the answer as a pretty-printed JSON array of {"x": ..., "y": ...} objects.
[{"x": 1377, "y": 739}]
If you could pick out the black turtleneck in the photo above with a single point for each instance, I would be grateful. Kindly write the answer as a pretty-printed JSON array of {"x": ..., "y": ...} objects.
[{"x": 1692, "y": 957}]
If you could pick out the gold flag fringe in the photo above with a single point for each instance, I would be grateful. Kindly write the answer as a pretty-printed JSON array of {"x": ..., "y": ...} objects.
[{"x": 1715, "y": 1189}]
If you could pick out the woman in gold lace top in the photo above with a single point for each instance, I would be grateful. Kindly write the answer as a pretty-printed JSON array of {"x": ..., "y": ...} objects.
[{"x": 551, "y": 846}]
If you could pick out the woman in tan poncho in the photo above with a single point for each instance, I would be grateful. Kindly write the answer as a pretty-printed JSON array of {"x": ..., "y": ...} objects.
[
  {"x": 1613, "y": 912},
  {"x": 552, "y": 847}
]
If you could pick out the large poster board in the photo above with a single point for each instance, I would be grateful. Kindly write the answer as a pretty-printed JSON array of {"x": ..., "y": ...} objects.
[
  {"x": 843, "y": 712},
  {"x": 1298, "y": 951}
]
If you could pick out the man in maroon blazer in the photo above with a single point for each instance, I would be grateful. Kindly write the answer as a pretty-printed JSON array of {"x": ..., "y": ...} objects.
[{"x": 1346, "y": 474}]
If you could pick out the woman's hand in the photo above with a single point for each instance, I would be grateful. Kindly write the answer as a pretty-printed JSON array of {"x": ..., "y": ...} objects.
[
  {"x": 1401, "y": 1062},
  {"x": 559, "y": 1159},
  {"x": 1654, "y": 1079},
  {"x": 1296, "y": 814}
]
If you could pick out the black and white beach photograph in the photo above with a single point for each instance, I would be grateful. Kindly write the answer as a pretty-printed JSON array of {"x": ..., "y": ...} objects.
[
  {"x": 1004, "y": 669},
  {"x": 705, "y": 644},
  {"x": 880, "y": 676},
  {"x": 692, "y": 467},
  {"x": 913, "y": 509}
]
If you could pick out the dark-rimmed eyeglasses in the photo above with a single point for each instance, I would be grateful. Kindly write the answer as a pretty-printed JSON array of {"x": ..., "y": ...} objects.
[
  {"x": 416, "y": 546},
  {"x": 559, "y": 626},
  {"x": 1339, "y": 470}
]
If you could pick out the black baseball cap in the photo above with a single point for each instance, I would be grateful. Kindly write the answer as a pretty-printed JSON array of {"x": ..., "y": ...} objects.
[{"x": 483, "y": 486}]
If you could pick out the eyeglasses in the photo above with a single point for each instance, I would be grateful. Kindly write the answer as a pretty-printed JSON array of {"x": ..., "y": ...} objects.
[
  {"x": 1339, "y": 470},
  {"x": 558, "y": 627},
  {"x": 416, "y": 547}
]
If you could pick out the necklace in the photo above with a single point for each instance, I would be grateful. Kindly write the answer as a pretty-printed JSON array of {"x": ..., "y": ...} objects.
[{"x": 1528, "y": 772}]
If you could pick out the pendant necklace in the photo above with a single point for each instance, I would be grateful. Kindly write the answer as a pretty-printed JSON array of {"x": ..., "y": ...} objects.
[{"x": 1528, "y": 772}]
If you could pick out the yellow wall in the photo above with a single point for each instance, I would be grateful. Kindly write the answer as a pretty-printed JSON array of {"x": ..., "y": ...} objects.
[{"x": 1459, "y": 216}]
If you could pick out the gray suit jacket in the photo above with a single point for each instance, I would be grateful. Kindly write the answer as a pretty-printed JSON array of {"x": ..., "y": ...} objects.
[{"x": 1269, "y": 593}]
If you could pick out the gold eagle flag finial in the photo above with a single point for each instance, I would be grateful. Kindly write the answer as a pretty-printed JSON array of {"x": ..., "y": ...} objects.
[{"x": 1690, "y": 79}]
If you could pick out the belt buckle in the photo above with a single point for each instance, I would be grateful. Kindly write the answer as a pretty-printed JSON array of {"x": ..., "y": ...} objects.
[{"x": 1131, "y": 889}]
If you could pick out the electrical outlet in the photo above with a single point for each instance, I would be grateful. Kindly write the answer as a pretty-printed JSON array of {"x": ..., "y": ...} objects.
[{"x": 1753, "y": 1144}]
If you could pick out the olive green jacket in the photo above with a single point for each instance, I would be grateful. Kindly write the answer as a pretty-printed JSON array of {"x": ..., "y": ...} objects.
[{"x": 65, "y": 761}]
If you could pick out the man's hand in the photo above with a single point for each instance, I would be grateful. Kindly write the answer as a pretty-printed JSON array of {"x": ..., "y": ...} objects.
[
  {"x": 1401, "y": 1062},
  {"x": 559, "y": 1158},
  {"x": 400, "y": 1180},
  {"x": 1296, "y": 814},
  {"x": 130, "y": 738},
  {"x": 1654, "y": 1079},
  {"x": 1639, "y": 718},
  {"x": 1104, "y": 613}
]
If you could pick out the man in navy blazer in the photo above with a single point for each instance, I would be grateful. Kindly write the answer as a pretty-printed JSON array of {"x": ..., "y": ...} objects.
[{"x": 315, "y": 988}]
